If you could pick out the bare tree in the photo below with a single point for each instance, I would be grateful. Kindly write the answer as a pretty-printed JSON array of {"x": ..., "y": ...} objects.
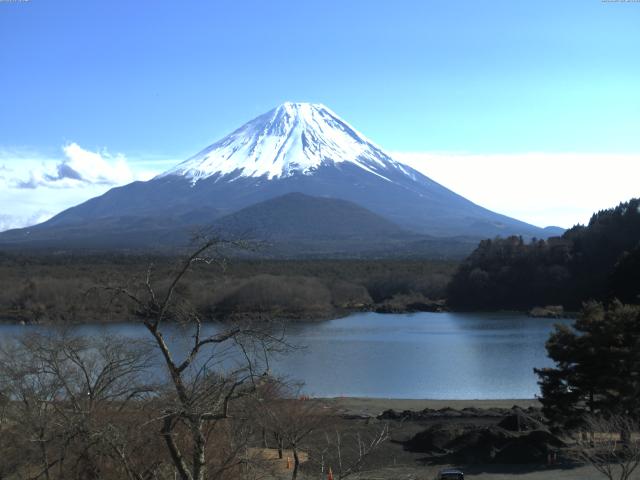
[
  {"x": 350, "y": 452},
  {"x": 291, "y": 420},
  {"x": 611, "y": 445},
  {"x": 69, "y": 393},
  {"x": 31, "y": 410},
  {"x": 218, "y": 368},
  {"x": 269, "y": 390},
  {"x": 76, "y": 404}
]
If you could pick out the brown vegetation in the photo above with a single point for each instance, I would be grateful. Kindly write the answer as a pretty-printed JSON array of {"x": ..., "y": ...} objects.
[
  {"x": 72, "y": 289},
  {"x": 611, "y": 445},
  {"x": 89, "y": 409},
  {"x": 92, "y": 408}
]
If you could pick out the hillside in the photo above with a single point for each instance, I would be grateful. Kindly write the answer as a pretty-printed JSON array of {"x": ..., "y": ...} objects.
[{"x": 296, "y": 216}]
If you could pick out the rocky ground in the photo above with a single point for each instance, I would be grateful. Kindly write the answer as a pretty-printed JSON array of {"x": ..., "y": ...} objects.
[{"x": 487, "y": 439}]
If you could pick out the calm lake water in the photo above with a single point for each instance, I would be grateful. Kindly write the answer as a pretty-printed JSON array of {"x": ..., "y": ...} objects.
[{"x": 421, "y": 355}]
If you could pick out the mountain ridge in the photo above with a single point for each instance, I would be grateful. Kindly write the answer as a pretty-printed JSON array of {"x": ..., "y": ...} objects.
[{"x": 293, "y": 148}]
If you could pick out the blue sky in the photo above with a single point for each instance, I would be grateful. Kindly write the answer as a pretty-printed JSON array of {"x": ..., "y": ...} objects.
[{"x": 155, "y": 81}]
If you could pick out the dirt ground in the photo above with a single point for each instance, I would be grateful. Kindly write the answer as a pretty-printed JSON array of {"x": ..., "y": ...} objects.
[
  {"x": 393, "y": 462},
  {"x": 490, "y": 472}
]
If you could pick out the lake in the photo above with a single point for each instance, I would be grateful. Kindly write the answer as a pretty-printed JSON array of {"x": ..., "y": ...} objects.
[{"x": 421, "y": 355}]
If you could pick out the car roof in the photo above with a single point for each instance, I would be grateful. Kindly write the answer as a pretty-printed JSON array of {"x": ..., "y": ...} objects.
[{"x": 450, "y": 470}]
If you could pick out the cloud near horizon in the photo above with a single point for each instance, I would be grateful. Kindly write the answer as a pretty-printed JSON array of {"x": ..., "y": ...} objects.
[
  {"x": 35, "y": 187},
  {"x": 544, "y": 189},
  {"x": 80, "y": 168}
]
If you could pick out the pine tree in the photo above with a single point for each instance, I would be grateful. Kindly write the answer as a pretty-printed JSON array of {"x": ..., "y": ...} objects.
[{"x": 597, "y": 367}]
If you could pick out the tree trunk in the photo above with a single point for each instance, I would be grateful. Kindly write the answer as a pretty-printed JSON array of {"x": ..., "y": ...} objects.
[
  {"x": 279, "y": 444},
  {"x": 199, "y": 451},
  {"x": 174, "y": 451},
  {"x": 296, "y": 462},
  {"x": 45, "y": 459}
]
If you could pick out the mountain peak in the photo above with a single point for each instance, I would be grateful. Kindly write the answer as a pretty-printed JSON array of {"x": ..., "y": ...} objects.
[
  {"x": 291, "y": 139},
  {"x": 299, "y": 106}
]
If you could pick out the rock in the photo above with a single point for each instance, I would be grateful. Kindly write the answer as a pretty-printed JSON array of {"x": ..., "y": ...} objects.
[
  {"x": 356, "y": 416},
  {"x": 389, "y": 414},
  {"x": 520, "y": 437},
  {"x": 496, "y": 445},
  {"x": 449, "y": 412},
  {"x": 430, "y": 413},
  {"x": 532, "y": 447},
  {"x": 473, "y": 412},
  {"x": 395, "y": 415},
  {"x": 495, "y": 412},
  {"x": 549, "y": 311},
  {"x": 480, "y": 445},
  {"x": 435, "y": 439},
  {"x": 518, "y": 421}
]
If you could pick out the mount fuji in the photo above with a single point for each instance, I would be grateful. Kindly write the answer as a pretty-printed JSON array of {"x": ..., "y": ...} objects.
[{"x": 295, "y": 148}]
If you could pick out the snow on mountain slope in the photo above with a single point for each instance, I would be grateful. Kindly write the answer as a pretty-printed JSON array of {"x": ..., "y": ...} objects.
[{"x": 294, "y": 138}]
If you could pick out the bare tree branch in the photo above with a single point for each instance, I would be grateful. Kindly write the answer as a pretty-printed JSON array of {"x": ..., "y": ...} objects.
[{"x": 611, "y": 445}]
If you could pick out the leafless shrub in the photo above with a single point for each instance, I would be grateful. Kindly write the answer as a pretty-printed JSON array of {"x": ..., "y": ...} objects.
[
  {"x": 611, "y": 445},
  {"x": 347, "y": 453},
  {"x": 290, "y": 418},
  {"x": 69, "y": 398}
]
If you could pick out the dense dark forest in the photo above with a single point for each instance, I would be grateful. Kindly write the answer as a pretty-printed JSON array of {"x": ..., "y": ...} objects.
[{"x": 600, "y": 261}]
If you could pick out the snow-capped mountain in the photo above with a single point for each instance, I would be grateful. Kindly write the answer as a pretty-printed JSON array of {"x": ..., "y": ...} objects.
[
  {"x": 294, "y": 138},
  {"x": 296, "y": 147}
]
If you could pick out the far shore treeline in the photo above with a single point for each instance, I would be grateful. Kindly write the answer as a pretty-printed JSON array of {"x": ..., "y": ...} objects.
[
  {"x": 75, "y": 289},
  {"x": 599, "y": 261}
]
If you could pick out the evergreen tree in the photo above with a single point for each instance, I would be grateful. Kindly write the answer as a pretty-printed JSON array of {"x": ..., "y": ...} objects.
[
  {"x": 600, "y": 261},
  {"x": 597, "y": 366}
]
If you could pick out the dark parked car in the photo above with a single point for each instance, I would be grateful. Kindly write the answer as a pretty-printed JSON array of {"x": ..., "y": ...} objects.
[{"x": 450, "y": 474}]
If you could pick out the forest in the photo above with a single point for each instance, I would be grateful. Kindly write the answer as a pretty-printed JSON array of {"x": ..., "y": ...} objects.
[
  {"x": 599, "y": 261},
  {"x": 77, "y": 288}
]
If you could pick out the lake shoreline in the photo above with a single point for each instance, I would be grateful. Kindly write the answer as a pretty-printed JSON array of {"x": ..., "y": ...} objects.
[
  {"x": 371, "y": 406},
  {"x": 379, "y": 308}
]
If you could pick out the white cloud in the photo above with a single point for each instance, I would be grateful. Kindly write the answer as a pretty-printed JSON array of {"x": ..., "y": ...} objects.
[
  {"x": 8, "y": 222},
  {"x": 540, "y": 188},
  {"x": 80, "y": 168},
  {"x": 34, "y": 187}
]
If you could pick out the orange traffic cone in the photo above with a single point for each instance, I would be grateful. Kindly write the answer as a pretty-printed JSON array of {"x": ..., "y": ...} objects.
[
  {"x": 330, "y": 474},
  {"x": 288, "y": 463}
]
